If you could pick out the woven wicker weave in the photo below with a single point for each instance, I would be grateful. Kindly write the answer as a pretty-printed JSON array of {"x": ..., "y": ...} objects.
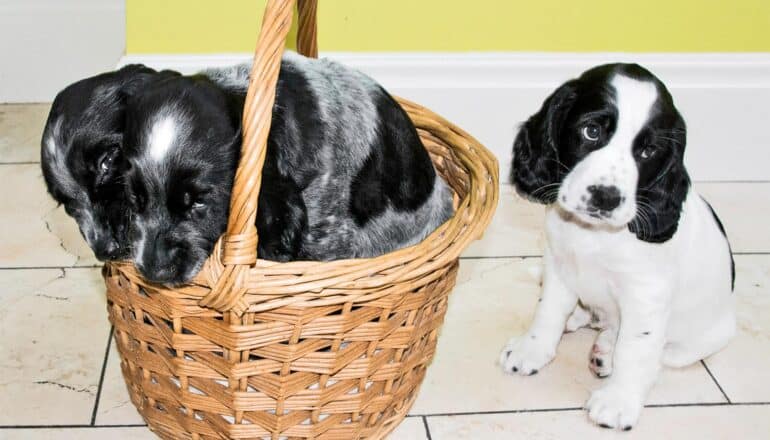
[{"x": 299, "y": 350}]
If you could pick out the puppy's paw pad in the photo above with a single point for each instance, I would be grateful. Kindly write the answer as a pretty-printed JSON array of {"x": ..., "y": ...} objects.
[
  {"x": 600, "y": 365},
  {"x": 611, "y": 407},
  {"x": 525, "y": 355}
]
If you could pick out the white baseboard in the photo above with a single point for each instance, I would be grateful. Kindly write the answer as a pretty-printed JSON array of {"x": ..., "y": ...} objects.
[{"x": 723, "y": 97}]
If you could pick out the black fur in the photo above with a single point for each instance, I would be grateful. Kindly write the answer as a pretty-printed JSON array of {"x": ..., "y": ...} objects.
[
  {"x": 398, "y": 172},
  {"x": 722, "y": 229}
]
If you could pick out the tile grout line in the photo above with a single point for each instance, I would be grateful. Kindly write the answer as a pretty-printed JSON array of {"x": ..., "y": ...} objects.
[
  {"x": 427, "y": 429},
  {"x": 20, "y": 163},
  {"x": 128, "y": 425},
  {"x": 716, "y": 382},
  {"x": 482, "y": 413},
  {"x": 95, "y": 266},
  {"x": 101, "y": 377},
  {"x": 425, "y": 416},
  {"x": 576, "y": 408}
]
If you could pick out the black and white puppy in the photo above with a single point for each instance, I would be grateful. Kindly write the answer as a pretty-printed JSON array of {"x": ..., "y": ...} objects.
[
  {"x": 345, "y": 175},
  {"x": 81, "y": 156},
  {"x": 630, "y": 245}
]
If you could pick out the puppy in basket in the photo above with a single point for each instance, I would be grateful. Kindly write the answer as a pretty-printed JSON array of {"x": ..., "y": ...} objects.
[{"x": 632, "y": 249}]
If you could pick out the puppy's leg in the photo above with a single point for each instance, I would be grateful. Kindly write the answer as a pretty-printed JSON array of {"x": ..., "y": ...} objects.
[
  {"x": 637, "y": 359},
  {"x": 579, "y": 318},
  {"x": 528, "y": 353},
  {"x": 681, "y": 354},
  {"x": 602, "y": 351}
]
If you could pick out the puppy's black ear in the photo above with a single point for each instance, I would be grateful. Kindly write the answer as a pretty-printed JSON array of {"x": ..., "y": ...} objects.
[
  {"x": 663, "y": 185},
  {"x": 135, "y": 77},
  {"x": 535, "y": 169}
]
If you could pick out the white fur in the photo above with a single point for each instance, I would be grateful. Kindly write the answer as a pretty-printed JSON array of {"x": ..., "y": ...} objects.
[
  {"x": 657, "y": 304},
  {"x": 161, "y": 137}
]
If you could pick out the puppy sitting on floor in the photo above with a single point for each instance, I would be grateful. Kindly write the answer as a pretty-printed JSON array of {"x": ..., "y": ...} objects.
[
  {"x": 345, "y": 174},
  {"x": 632, "y": 249}
]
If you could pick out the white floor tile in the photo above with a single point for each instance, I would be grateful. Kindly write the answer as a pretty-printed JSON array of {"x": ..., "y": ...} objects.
[
  {"x": 743, "y": 368},
  {"x": 115, "y": 407},
  {"x": 36, "y": 232},
  {"x": 21, "y": 128},
  {"x": 412, "y": 428},
  {"x": 744, "y": 209},
  {"x": 53, "y": 328},
  {"x": 133, "y": 433},
  {"x": 515, "y": 230},
  {"x": 494, "y": 300},
  {"x": 707, "y": 423}
]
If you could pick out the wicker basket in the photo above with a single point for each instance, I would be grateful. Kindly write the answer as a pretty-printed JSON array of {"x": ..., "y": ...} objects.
[{"x": 300, "y": 350}]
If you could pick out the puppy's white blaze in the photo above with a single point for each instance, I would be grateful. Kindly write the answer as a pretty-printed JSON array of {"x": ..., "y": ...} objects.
[
  {"x": 161, "y": 138},
  {"x": 139, "y": 248},
  {"x": 634, "y": 100}
]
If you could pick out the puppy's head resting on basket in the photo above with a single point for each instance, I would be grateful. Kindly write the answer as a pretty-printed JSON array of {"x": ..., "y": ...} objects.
[
  {"x": 182, "y": 140},
  {"x": 81, "y": 156},
  {"x": 345, "y": 173},
  {"x": 606, "y": 147}
]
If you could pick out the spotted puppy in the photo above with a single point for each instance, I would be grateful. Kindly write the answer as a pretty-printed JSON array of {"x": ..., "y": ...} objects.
[
  {"x": 345, "y": 175},
  {"x": 81, "y": 150},
  {"x": 630, "y": 242},
  {"x": 81, "y": 156}
]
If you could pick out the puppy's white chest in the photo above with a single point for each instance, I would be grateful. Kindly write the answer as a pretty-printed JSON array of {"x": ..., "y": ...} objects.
[{"x": 590, "y": 262}]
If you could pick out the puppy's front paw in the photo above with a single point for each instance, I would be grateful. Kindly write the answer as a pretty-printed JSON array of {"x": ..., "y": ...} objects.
[
  {"x": 525, "y": 355},
  {"x": 601, "y": 361},
  {"x": 613, "y": 407}
]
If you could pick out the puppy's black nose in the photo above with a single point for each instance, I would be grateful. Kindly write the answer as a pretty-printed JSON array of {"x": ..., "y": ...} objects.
[
  {"x": 108, "y": 250},
  {"x": 604, "y": 198}
]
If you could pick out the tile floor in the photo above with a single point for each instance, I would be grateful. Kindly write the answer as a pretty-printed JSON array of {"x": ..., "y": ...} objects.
[{"x": 60, "y": 376}]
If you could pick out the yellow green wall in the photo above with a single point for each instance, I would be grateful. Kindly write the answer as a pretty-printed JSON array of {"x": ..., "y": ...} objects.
[{"x": 201, "y": 26}]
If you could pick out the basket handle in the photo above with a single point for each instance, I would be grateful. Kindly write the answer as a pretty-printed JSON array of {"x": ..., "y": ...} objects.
[
  {"x": 307, "y": 34},
  {"x": 239, "y": 243}
]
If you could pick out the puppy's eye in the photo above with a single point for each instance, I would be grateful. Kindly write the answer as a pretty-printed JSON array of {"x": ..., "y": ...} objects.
[
  {"x": 648, "y": 152},
  {"x": 106, "y": 161},
  {"x": 189, "y": 201},
  {"x": 591, "y": 132}
]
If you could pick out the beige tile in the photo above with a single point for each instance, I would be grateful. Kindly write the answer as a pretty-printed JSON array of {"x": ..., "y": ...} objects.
[
  {"x": 412, "y": 428},
  {"x": 128, "y": 433},
  {"x": 743, "y": 208},
  {"x": 494, "y": 300},
  {"x": 743, "y": 368},
  {"x": 115, "y": 407},
  {"x": 35, "y": 232},
  {"x": 515, "y": 230},
  {"x": 21, "y": 126},
  {"x": 708, "y": 423},
  {"x": 53, "y": 328}
]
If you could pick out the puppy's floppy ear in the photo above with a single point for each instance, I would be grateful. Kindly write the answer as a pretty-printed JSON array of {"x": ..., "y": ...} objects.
[
  {"x": 135, "y": 77},
  {"x": 536, "y": 149},
  {"x": 663, "y": 186}
]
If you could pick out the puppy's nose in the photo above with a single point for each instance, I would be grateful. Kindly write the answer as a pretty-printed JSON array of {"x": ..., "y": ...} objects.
[
  {"x": 108, "y": 250},
  {"x": 604, "y": 198}
]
